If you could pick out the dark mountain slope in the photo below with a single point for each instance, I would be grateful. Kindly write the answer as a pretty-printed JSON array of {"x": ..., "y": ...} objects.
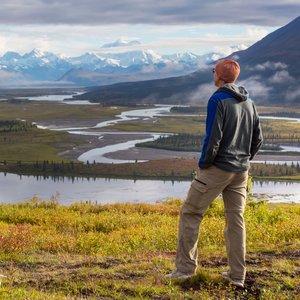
[
  {"x": 170, "y": 90},
  {"x": 270, "y": 70},
  {"x": 282, "y": 45}
]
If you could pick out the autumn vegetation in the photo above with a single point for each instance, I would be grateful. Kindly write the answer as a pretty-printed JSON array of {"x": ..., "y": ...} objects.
[{"x": 123, "y": 251}]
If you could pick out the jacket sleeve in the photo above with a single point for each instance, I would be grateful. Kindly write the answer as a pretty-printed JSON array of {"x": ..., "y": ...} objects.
[
  {"x": 213, "y": 136},
  {"x": 257, "y": 138}
]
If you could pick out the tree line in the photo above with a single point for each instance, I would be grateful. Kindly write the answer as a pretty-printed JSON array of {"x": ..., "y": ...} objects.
[
  {"x": 15, "y": 125},
  {"x": 178, "y": 142},
  {"x": 193, "y": 142},
  {"x": 268, "y": 170}
]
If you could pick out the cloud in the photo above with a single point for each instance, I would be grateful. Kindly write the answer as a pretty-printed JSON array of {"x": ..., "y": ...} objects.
[
  {"x": 202, "y": 93},
  {"x": 281, "y": 77},
  {"x": 256, "y": 33},
  {"x": 12, "y": 79},
  {"x": 256, "y": 88},
  {"x": 77, "y": 39},
  {"x": 121, "y": 43},
  {"x": 292, "y": 95},
  {"x": 147, "y": 12},
  {"x": 8, "y": 77},
  {"x": 268, "y": 66},
  {"x": 254, "y": 85},
  {"x": 220, "y": 52},
  {"x": 187, "y": 42}
]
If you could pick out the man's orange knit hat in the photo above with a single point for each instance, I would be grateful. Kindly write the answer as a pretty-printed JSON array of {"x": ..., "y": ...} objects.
[{"x": 228, "y": 70}]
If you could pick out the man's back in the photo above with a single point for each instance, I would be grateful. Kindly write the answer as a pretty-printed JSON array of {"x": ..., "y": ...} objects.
[{"x": 233, "y": 134}]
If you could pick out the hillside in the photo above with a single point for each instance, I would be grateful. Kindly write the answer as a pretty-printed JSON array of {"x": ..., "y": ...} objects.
[
  {"x": 122, "y": 251},
  {"x": 270, "y": 70}
]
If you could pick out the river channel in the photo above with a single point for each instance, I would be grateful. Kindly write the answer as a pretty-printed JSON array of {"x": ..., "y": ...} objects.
[
  {"x": 105, "y": 154},
  {"x": 101, "y": 190}
]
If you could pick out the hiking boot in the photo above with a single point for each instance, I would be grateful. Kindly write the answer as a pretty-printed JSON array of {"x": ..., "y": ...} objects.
[
  {"x": 237, "y": 283},
  {"x": 179, "y": 275}
]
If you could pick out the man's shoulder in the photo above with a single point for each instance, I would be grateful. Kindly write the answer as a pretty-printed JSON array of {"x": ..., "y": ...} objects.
[
  {"x": 220, "y": 95},
  {"x": 218, "y": 98}
]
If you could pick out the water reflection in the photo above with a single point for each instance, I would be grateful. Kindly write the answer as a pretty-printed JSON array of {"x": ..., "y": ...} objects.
[
  {"x": 277, "y": 191},
  {"x": 109, "y": 190}
]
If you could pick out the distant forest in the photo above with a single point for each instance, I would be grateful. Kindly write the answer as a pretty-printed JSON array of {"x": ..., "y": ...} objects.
[
  {"x": 189, "y": 109},
  {"x": 178, "y": 142},
  {"x": 168, "y": 169},
  {"x": 15, "y": 125},
  {"x": 192, "y": 142},
  {"x": 266, "y": 170}
]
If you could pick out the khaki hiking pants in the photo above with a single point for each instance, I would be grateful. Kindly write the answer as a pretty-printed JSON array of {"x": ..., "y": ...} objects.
[{"x": 206, "y": 186}]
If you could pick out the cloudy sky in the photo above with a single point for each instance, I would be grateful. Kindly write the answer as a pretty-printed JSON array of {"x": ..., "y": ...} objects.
[{"x": 72, "y": 27}]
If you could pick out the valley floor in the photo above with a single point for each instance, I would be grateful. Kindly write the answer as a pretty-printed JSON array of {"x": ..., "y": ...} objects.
[{"x": 23, "y": 150}]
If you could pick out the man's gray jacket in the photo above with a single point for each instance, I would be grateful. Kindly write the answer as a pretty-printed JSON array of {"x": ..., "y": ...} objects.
[{"x": 233, "y": 132}]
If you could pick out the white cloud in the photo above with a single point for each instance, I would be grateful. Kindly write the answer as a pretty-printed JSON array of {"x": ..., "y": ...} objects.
[
  {"x": 202, "y": 93},
  {"x": 235, "y": 57},
  {"x": 281, "y": 77},
  {"x": 255, "y": 87},
  {"x": 8, "y": 77},
  {"x": 3, "y": 46},
  {"x": 293, "y": 95},
  {"x": 12, "y": 79},
  {"x": 256, "y": 33},
  {"x": 221, "y": 52},
  {"x": 77, "y": 39},
  {"x": 268, "y": 66}
]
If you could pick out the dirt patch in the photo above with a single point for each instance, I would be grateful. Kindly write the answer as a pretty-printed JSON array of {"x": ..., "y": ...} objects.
[
  {"x": 291, "y": 254},
  {"x": 251, "y": 290},
  {"x": 213, "y": 262},
  {"x": 109, "y": 263},
  {"x": 256, "y": 280},
  {"x": 73, "y": 277}
]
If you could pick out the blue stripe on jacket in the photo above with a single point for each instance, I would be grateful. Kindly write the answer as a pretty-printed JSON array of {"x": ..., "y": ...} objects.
[{"x": 212, "y": 108}]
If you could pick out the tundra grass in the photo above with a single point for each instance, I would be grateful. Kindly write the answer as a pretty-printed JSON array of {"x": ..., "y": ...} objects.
[
  {"x": 188, "y": 125},
  {"x": 274, "y": 131},
  {"x": 277, "y": 109},
  {"x": 35, "y": 145},
  {"x": 44, "y": 111},
  {"x": 123, "y": 251}
]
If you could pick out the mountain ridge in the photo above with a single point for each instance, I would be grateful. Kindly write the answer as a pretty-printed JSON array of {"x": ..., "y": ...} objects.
[
  {"x": 95, "y": 68},
  {"x": 270, "y": 70}
]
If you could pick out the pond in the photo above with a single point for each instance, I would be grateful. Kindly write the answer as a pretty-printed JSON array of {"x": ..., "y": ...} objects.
[{"x": 101, "y": 190}]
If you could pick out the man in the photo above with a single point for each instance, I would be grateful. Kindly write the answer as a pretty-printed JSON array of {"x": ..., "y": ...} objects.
[{"x": 233, "y": 137}]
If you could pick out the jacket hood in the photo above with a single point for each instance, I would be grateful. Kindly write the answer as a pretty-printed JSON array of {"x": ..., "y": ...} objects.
[{"x": 237, "y": 92}]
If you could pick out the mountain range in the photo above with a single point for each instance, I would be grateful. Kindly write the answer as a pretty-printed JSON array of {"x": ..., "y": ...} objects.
[
  {"x": 270, "y": 71},
  {"x": 39, "y": 67}
]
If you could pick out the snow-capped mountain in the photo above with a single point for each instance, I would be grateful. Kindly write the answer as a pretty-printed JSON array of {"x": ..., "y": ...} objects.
[
  {"x": 92, "y": 62},
  {"x": 10, "y": 56},
  {"x": 35, "y": 65},
  {"x": 135, "y": 57},
  {"x": 187, "y": 57},
  {"x": 90, "y": 68},
  {"x": 135, "y": 65}
]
